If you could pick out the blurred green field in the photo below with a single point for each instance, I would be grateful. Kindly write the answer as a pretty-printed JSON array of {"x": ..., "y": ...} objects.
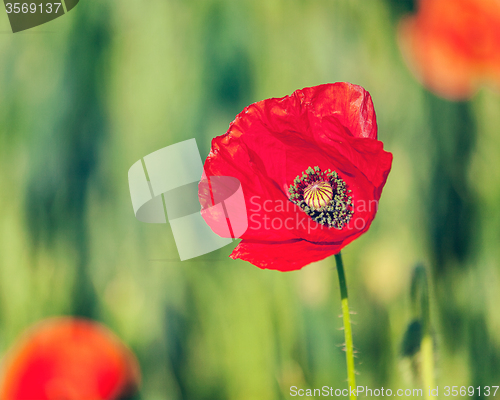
[{"x": 85, "y": 96}]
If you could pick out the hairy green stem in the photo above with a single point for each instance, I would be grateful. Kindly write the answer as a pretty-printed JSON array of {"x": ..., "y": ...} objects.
[{"x": 351, "y": 372}]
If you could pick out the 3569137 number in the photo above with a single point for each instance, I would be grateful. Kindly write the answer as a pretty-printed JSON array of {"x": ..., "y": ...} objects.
[
  {"x": 464, "y": 391},
  {"x": 32, "y": 8}
]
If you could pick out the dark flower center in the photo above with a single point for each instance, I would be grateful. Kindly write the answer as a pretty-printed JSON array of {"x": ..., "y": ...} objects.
[{"x": 323, "y": 196}]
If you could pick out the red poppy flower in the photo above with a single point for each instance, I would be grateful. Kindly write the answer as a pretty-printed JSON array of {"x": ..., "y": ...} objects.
[
  {"x": 71, "y": 359},
  {"x": 311, "y": 171},
  {"x": 452, "y": 46}
]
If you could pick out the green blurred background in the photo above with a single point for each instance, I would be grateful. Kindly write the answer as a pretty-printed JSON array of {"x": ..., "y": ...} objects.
[{"x": 85, "y": 96}]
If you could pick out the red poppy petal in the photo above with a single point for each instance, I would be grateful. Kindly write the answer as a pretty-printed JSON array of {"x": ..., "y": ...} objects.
[
  {"x": 288, "y": 256},
  {"x": 349, "y": 104}
]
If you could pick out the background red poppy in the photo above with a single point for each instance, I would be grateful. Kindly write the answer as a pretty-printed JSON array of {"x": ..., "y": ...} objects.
[
  {"x": 452, "y": 45},
  {"x": 68, "y": 358}
]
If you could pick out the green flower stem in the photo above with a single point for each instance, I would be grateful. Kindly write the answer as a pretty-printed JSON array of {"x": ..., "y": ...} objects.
[
  {"x": 351, "y": 372},
  {"x": 427, "y": 354},
  {"x": 420, "y": 295}
]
